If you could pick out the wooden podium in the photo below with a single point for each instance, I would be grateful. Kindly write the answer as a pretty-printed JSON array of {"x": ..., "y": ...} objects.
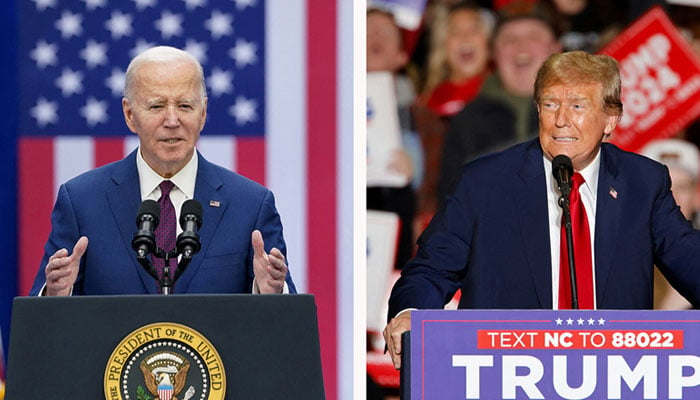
[{"x": 194, "y": 346}]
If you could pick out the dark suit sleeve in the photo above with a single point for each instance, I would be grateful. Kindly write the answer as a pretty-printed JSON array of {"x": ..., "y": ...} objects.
[
  {"x": 430, "y": 280},
  {"x": 64, "y": 234},
  {"x": 270, "y": 225},
  {"x": 676, "y": 244}
]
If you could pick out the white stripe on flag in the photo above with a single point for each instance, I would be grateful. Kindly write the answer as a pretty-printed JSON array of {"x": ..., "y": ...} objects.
[
  {"x": 130, "y": 144},
  {"x": 219, "y": 150},
  {"x": 285, "y": 94},
  {"x": 73, "y": 155},
  {"x": 344, "y": 200}
]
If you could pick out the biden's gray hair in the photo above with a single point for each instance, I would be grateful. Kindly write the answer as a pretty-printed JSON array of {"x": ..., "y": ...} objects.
[{"x": 161, "y": 54}]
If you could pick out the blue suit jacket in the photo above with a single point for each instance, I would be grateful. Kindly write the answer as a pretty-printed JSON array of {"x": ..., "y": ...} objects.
[
  {"x": 491, "y": 239},
  {"x": 102, "y": 204}
]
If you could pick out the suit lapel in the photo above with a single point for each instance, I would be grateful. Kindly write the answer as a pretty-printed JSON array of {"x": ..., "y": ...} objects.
[
  {"x": 611, "y": 192},
  {"x": 213, "y": 207},
  {"x": 531, "y": 205},
  {"x": 123, "y": 202}
]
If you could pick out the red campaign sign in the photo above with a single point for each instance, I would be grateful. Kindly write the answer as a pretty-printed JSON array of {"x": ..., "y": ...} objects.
[{"x": 660, "y": 81}]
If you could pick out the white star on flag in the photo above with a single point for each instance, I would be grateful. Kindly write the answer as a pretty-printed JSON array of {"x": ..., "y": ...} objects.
[
  {"x": 94, "y": 54},
  {"x": 115, "y": 82},
  {"x": 93, "y": 4},
  {"x": 219, "y": 82},
  {"x": 143, "y": 4},
  {"x": 140, "y": 47},
  {"x": 94, "y": 112},
  {"x": 219, "y": 24},
  {"x": 44, "y": 54},
  {"x": 192, "y": 4},
  {"x": 241, "y": 4},
  {"x": 169, "y": 24},
  {"x": 42, "y": 5},
  {"x": 243, "y": 53},
  {"x": 45, "y": 112},
  {"x": 70, "y": 82},
  {"x": 70, "y": 24},
  {"x": 119, "y": 24},
  {"x": 243, "y": 110},
  {"x": 197, "y": 49}
]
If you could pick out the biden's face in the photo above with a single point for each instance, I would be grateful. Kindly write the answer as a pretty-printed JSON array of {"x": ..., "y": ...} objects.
[
  {"x": 167, "y": 111},
  {"x": 573, "y": 122}
]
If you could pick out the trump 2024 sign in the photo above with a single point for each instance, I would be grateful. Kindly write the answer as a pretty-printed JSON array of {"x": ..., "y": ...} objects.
[
  {"x": 507, "y": 354},
  {"x": 660, "y": 80}
]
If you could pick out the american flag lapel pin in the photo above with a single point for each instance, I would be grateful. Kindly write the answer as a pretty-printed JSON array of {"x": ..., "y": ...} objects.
[
  {"x": 214, "y": 203},
  {"x": 613, "y": 193}
]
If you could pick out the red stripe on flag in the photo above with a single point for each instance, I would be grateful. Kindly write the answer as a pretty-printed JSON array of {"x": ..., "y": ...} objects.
[
  {"x": 250, "y": 158},
  {"x": 36, "y": 196},
  {"x": 321, "y": 188},
  {"x": 108, "y": 150}
]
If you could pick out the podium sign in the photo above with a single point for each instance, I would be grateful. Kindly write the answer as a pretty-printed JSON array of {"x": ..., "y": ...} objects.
[
  {"x": 203, "y": 347},
  {"x": 543, "y": 354}
]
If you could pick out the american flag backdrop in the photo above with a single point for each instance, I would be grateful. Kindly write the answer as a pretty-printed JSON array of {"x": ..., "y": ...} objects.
[{"x": 279, "y": 80}]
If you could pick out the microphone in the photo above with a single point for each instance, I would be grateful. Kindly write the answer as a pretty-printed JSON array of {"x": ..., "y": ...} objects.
[
  {"x": 147, "y": 220},
  {"x": 190, "y": 220},
  {"x": 563, "y": 171}
]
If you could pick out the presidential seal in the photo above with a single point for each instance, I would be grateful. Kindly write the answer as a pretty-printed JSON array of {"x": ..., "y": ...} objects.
[{"x": 165, "y": 361}]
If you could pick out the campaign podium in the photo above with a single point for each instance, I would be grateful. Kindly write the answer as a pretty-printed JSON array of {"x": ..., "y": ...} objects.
[
  {"x": 74, "y": 347},
  {"x": 546, "y": 354}
]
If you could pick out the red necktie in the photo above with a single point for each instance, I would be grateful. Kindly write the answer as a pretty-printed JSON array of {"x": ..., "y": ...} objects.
[
  {"x": 165, "y": 232},
  {"x": 582, "y": 253}
]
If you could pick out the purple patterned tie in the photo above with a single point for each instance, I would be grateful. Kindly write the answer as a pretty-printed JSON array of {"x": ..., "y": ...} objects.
[{"x": 165, "y": 233}]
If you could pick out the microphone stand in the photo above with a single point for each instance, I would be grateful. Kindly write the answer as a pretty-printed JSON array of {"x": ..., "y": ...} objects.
[
  {"x": 564, "y": 204},
  {"x": 166, "y": 283}
]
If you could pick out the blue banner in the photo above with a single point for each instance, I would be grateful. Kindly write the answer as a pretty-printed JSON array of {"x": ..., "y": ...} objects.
[{"x": 555, "y": 354}]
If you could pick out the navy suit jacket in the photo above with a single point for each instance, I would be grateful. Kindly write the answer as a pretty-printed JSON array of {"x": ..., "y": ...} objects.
[
  {"x": 491, "y": 238},
  {"x": 102, "y": 204}
]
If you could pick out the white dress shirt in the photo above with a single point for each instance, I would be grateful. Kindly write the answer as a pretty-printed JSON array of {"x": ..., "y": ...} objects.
[
  {"x": 588, "y": 192},
  {"x": 184, "y": 181}
]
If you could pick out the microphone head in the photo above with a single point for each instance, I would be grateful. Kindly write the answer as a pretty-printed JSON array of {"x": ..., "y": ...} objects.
[
  {"x": 191, "y": 208},
  {"x": 149, "y": 207},
  {"x": 562, "y": 161},
  {"x": 563, "y": 171}
]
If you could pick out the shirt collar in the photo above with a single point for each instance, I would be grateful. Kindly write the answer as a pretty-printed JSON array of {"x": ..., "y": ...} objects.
[
  {"x": 590, "y": 174},
  {"x": 183, "y": 179}
]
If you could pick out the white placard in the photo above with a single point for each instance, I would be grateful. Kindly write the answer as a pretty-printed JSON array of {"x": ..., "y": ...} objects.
[
  {"x": 383, "y": 131},
  {"x": 382, "y": 241}
]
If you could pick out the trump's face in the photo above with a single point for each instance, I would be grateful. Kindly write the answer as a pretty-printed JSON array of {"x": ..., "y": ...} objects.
[
  {"x": 167, "y": 111},
  {"x": 573, "y": 122}
]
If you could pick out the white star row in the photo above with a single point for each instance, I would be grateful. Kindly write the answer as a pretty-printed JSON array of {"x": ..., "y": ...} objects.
[
  {"x": 90, "y": 5},
  {"x": 94, "y": 111},
  {"x": 94, "y": 53},
  {"x": 46, "y": 112},
  {"x": 169, "y": 24},
  {"x": 70, "y": 82},
  {"x": 579, "y": 321}
]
